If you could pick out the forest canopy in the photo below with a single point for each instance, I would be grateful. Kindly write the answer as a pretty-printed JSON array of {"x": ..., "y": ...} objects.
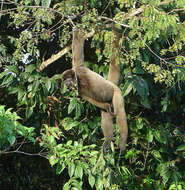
[{"x": 52, "y": 139}]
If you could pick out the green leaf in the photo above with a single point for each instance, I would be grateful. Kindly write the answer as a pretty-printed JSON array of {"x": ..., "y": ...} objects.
[
  {"x": 69, "y": 143},
  {"x": 71, "y": 169},
  {"x": 76, "y": 185},
  {"x": 69, "y": 126},
  {"x": 11, "y": 139},
  {"x": 14, "y": 90},
  {"x": 13, "y": 69},
  {"x": 46, "y": 3},
  {"x": 60, "y": 168},
  {"x": 35, "y": 86},
  {"x": 3, "y": 74},
  {"x": 181, "y": 147},
  {"x": 79, "y": 171},
  {"x": 93, "y": 160},
  {"x": 48, "y": 84},
  {"x": 160, "y": 136},
  {"x": 30, "y": 68},
  {"x": 8, "y": 79},
  {"x": 127, "y": 88},
  {"x": 149, "y": 136},
  {"x": 21, "y": 93},
  {"x": 53, "y": 160},
  {"x": 67, "y": 186},
  {"x": 156, "y": 154},
  {"x": 29, "y": 111},
  {"x": 91, "y": 179},
  {"x": 141, "y": 86},
  {"x": 99, "y": 183},
  {"x": 51, "y": 139},
  {"x": 72, "y": 105},
  {"x": 139, "y": 123},
  {"x": 146, "y": 103}
]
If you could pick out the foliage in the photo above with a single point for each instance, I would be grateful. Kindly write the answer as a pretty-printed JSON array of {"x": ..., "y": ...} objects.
[
  {"x": 10, "y": 129},
  {"x": 68, "y": 130}
]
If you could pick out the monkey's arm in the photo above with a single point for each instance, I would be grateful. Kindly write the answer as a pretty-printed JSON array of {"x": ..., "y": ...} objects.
[{"x": 77, "y": 48}]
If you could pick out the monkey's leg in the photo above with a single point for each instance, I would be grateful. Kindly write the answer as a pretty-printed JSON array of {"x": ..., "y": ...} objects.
[
  {"x": 119, "y": 110},
  {"x": 107, "y": 127}
]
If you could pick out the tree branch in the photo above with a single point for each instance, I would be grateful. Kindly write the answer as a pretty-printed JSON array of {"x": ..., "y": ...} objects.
[
  {"x": 90, "y": 34},
  {"x": 60, "y": 53},
  {"x": 141, "y": 9}
]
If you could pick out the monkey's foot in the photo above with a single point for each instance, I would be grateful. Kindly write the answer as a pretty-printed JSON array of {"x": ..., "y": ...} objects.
[
  {"x": 111, "y": 110},
  {"x": 122, "y": 144}
]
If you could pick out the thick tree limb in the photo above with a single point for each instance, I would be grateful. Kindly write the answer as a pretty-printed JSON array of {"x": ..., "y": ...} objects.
[
  {"x": 53, "y": 58},
  {"x": 60, "y": 54}
]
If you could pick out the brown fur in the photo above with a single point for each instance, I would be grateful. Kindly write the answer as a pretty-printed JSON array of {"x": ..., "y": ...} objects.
[{"x": 98, "y": 91}]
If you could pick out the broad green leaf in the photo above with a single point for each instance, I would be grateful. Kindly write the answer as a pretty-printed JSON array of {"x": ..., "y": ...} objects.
[
  {"x": 78, "y": 110},
  {"x": 46, "y": 3},
  {"x": 141, "y": 86},
  {"x": 71, "y": 168},
  {"x": 67, "y": 186},
  {"x": 13, "y": 69},
  {"x": 79, "y": 171},
  {"x": 30, "y": 68},
  {"x": 51, "y": 139},
  {"x": 99, "y": 183},
  {"x": 139, "y": 123},
  {"x": 127, "y": 87},
  {"x": 181, "y": 147},
  {"x": 69, "y": 126},
  {"x": 2, "y": 74},
  {"x": 156, "y": 154},
  {"x": 8, "y": 79},
  {"x": 91, "y": 179},
  {"x": 14, "y": 90},
  {"x": 160, "y": 136},
  {"x": 146, "y": 103},
  {"x": 72, "y": 105},
  {"x": 53, "y": 160},
  {"x": 29, "y": 111},
  {"x": 11, "y": 139},
  {"x": 48, "y": 84},
  {"x": 76, "y": 185},
  {"x": 149, "y": 136},
  {"x": 21, "y": 94},
  {"x": 69, "y": 143},
  {"x": 93, "y": 160},
  {"x": 60, "y": 168},
  {"x": 35, "y": 86}
]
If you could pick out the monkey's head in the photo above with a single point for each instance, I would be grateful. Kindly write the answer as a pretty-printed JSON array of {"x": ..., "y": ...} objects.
[{"x": 69, "y": 79}]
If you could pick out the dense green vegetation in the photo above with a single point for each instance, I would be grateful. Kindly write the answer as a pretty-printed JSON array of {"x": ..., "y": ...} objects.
[{"x": 51, "y": 139}]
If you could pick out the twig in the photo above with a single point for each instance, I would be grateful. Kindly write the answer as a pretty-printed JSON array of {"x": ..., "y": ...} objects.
[
  {"x": 41, "y": 153},
  {"x": 114, "y": 21},
  {"x": 162, "y": 59}
]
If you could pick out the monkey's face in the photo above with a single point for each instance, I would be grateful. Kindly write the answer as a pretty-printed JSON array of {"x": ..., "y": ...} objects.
[
  {"x": 70, "y": 83},
  {"x": 68, "y": 77}
]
